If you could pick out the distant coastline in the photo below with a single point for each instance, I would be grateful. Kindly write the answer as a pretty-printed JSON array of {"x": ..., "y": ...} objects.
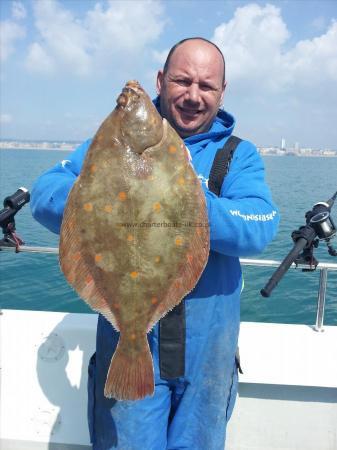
[
  {"x": 70, "y": 146},
  {"x": 38, "y": 145},
  {"x": 276, "y": 151}
]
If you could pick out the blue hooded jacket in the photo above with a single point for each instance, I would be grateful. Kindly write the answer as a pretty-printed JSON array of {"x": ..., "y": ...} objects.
[{"x": 190, "y": 412}]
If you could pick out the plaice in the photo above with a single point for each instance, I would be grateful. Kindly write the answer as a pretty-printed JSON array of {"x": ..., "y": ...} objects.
[{"x": 134, "y": 237}]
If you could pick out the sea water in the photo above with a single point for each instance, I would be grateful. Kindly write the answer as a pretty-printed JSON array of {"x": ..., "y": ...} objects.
[{"x": 33, "y": 281}]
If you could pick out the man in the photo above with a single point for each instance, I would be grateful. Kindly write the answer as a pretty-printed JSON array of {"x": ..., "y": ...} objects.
[{"x": 189, "y": 411}]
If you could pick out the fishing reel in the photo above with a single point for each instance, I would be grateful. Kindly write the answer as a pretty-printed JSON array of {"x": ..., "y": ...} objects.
[
  {"x": 12, "y": 204},
  {"x": 320, "y": 220},
  {"x": 319, "y": 227}
]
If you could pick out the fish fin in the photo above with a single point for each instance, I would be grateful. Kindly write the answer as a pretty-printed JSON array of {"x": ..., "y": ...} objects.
[
  {"x": 79, "y": 274},
  {"x": 130, "y": 375},
  {"x": 188, "y": 274},
  {"x": 164, "y": 308}
]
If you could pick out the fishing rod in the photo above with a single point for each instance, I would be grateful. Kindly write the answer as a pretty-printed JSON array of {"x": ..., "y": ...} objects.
[
  {"x": 12, "y": 204},
  {"x": 319, "y": 227}
]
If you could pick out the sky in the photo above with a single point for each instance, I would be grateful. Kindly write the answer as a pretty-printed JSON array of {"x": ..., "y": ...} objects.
[{"x": 64, "y": 62}]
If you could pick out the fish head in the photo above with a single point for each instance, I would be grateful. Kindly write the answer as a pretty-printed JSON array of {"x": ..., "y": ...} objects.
[{"x": 141, "y": 126}]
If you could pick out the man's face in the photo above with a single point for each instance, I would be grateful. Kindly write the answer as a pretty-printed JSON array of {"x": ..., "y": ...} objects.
[{"x": 192, "y": 89}]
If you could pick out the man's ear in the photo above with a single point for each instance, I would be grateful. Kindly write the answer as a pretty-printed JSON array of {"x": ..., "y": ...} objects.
[
  {"x": 160, "y": 78},
  {"x": 223, "y": 91}
]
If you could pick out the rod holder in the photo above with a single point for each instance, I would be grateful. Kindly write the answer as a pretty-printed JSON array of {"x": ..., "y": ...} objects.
[{"x": 323, "y": 277}]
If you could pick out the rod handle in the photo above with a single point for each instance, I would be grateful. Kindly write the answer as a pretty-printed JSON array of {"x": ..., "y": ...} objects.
[{"x": 283, "y": 267}]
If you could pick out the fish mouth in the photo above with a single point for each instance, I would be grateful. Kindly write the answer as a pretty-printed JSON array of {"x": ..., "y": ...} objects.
[{"x": 131, "y": 89}]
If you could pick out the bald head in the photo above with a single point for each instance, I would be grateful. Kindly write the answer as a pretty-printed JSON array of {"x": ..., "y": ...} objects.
[
  {"x": 191, "y": 86},
  {"x": 196, "y": 41}
]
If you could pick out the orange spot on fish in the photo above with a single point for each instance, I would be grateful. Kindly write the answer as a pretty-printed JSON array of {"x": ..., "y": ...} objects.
[
  {"x": 116, "y": 305},
  {"x": 177, "y": 284},
  {"x": 130, "y": 238},
  {"x": 179, "y": 241},
  {"x": 181, "y": 180},
  {"x": 189, "y": 258},
  {"x": 108, "y": 208},
  {"x": 122, "y": 196},
  {"x": 98, "y": 257},
  {"x": 151, "y": 178},
  {"x": 88, "y": 279},
  {"x": 154, "y": 300},
  {"x": 71, "y": 278},
  {"x": 157, "y": 259},
  {"x": 133, "y": 337},
  {"x": 172, "y": 149},
  {"x": 88, "y": 207},
  {"x": 157, "y": 206},
  {"x": 93, "y": 168},
  {"x": 76, "y": 256},
  {"x": 134, "y": 274}
]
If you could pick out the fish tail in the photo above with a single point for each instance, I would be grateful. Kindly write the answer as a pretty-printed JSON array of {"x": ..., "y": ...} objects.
[{"x": 130, "y": 375}]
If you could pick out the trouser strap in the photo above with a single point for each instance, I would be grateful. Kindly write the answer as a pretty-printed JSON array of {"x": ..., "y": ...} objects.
[
  {"x": 172, "y": 333},
  {"x": 237, "y": 361}
]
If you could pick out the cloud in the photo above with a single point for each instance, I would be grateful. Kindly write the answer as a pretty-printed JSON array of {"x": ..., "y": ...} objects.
[
  {"x": 125, "y": 25},
  {"x": 18, "y": 10},
  {"x": 84, "y": 44},
  {"x": 249, "y": 40},
  {"x": 63, "y": 41},
  {"x": 9, "y": 34},
  {"x": 38, "y": 59},
  {"x": 314, "y": 61},
  {"x": 254, "y": 44},
  {"x": 6, "y": 118},
  {"x": 276, "y": 85}
]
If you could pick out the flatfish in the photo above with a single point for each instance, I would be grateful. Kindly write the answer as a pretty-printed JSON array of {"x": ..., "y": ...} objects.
[{"x": 134, "y": 237}]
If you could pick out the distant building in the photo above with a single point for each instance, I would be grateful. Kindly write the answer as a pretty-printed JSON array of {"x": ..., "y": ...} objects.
[
  {"x": 283, "y": 144},
  {"x": 328, "y": 153}
]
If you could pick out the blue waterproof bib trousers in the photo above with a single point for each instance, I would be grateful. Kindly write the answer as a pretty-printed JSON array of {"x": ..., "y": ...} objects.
[{"x": 190, "y": 412}]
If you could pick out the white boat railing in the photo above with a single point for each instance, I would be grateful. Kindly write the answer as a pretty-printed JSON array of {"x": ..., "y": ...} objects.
[{"x": 323, "y": 268}]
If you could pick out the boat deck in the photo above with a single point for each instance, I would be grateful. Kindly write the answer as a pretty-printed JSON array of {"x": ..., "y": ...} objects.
[{"x": 287, "y": 394}]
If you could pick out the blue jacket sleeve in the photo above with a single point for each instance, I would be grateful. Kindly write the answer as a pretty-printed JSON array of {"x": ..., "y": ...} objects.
[
  {"x": 243, "y": 220},
  {"x": 51, "y": 189}
]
